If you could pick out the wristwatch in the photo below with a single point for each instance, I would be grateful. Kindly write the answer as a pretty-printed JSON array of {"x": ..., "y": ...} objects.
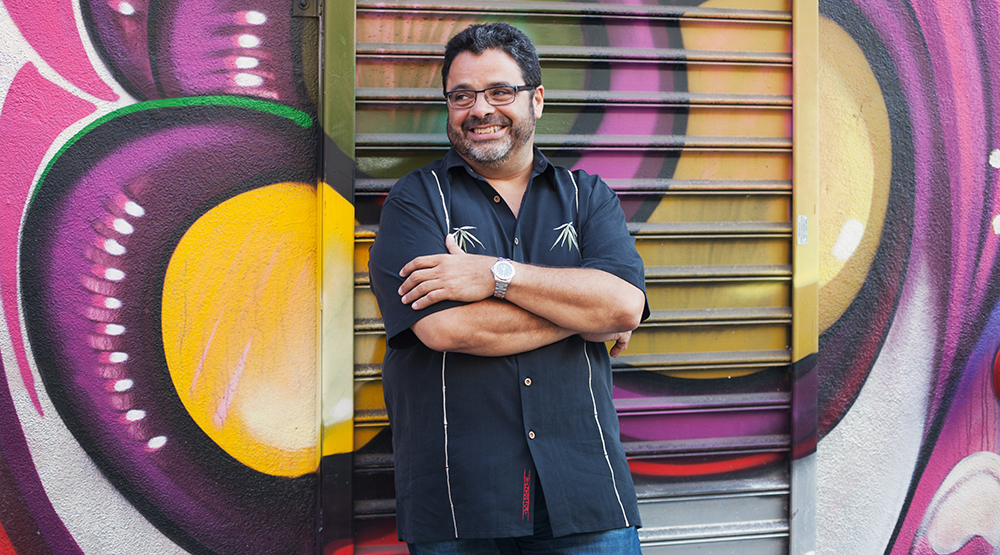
[{"x": 503, "y": 272}]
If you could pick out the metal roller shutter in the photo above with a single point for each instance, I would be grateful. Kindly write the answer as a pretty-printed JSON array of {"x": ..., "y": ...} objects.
[{"x": 686, "y": 111}]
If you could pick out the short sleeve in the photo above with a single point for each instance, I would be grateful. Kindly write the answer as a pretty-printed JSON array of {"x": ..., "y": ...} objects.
[
  {"x": 605, "y": 243},
  {"x": 411, "y": 225}
]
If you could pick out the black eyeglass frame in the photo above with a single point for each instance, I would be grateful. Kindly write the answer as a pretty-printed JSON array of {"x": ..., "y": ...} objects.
[{"x": 475, "y": 97}]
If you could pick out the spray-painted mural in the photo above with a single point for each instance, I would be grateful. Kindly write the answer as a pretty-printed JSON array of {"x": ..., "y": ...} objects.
[
  {"x": 159, "y": 263},
  {"x": 159, "y": 256},
  {"x": 909, "y": 316}
]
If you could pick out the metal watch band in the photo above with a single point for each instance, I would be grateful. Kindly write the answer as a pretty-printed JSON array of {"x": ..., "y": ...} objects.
[
  {"x": 502, "y": 281},
  {"x": 500, "y": 289}
]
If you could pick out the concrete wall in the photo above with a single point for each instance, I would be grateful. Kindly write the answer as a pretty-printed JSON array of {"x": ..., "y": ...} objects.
[{"x": 908, "y": 304}]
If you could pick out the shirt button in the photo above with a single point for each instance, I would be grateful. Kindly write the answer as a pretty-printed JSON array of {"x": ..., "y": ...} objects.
[
  {"x": 496, "y": 199},
  {"x": 531, "y": 435},
  {"x": 527, "y": 381},
  {"x": 515, "y": 240}
]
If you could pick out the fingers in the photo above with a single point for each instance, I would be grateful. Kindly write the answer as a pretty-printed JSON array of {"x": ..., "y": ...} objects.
[
  {"x": 420, "y": 300},
  {"x": 431, "y": 260},
  {"x": 617, "y": 349},
  {"x": 453, "y": 248},
  {"x": 621, "y": 344},
  {"x": 455, "y": 276},
  {"x": 418, "y": 263},
  {"x": 417, "y": 284},
  {"x": 422, "y": 289}
]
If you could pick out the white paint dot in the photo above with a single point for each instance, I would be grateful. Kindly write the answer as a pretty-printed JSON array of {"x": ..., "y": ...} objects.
[
  {"x": 133, "y": 209},
  {"x": 119, "y": 357},
  {"x": 113, "y": 303},
  {"x": 256, "y": 18},
  {"x": 114, "y": 329},
  {"x": 995, "y": 158},
  {"x": 248, "y": 80},
  {"x": 123, "y": 385},
  {"x": 849, "y": 239},
  {"x": 135, "y": 415},
  {"x": 342, "y": 411},
  {"x": 996, "y": 225},
  {"x": 123, "y": 227},
  {"x": 157, "y": 442},
  {"x": 248, "y": 41},
  {"x": 246, "y": 62},
  {"x": 125, "y": 8},
  {"x": 113, "y": 247},
  {"x": 114, "y": 274}
]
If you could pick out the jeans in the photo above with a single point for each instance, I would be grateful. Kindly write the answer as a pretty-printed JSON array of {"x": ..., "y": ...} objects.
[{"x": 623, "y": 541}]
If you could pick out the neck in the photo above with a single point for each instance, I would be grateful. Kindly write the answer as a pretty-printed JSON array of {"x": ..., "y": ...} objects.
[{"x": 513, "y": 169}]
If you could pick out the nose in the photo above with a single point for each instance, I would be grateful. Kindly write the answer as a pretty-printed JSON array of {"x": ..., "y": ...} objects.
[{"x": 481, "y": 107}]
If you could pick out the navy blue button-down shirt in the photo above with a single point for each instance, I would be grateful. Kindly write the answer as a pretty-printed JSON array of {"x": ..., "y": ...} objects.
[{"x": 473, "y": 436}]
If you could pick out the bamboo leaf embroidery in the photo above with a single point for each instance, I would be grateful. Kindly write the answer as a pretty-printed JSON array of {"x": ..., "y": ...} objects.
[
  {"x": 567, "y": 237},
  {"x": 462, "y": 236}
]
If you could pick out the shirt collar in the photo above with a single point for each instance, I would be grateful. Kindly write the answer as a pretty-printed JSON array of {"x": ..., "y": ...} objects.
[{"x": 540, "y": 164}]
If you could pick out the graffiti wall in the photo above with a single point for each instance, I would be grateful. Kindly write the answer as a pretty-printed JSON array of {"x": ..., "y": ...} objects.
[
  {"x": 162, "y": 261},
  {"x": 909, "y": 317},
  {"x": 159, "y": 274}
]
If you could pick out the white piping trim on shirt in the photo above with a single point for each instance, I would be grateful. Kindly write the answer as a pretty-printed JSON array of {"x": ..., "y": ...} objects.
[
  {"x": 447, "y": 471},
  {"x": 444, "y": 356},
  {"x": 604, "y": 446},
  {"x": 447, "y": 219},
  {"x": 577, "y": 189}
]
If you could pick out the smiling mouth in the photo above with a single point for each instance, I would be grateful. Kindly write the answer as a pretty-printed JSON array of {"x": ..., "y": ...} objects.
[{"x": 486, "y": 130}]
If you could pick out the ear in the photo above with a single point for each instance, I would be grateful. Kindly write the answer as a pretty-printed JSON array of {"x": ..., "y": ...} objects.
[{"x": 539, "y": 100}]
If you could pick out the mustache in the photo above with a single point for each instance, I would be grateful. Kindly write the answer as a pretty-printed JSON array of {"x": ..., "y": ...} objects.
[{"x": 493, "y": 119}]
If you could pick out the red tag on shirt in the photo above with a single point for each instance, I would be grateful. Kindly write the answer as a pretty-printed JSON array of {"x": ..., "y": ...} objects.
[{"x": 526, "y": 498}]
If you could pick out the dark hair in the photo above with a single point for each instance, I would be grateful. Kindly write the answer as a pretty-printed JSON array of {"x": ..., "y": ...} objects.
[{"x": 502, "y": 36}]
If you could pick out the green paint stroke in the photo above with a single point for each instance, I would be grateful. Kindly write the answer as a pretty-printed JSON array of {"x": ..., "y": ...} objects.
[{"x": 299, "y": 117}]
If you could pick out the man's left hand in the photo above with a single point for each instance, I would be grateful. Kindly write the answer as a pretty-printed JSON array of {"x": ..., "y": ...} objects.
[
  {"x": 620, "y": 339},
  {"x": 456, "y": 276}
]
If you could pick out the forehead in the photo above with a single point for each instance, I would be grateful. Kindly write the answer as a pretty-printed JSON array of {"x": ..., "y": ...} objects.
[{"x": 492, "y": 67}]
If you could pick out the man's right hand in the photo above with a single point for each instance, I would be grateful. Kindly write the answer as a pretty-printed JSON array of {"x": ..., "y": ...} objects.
[{"x": 455, "y": 276}]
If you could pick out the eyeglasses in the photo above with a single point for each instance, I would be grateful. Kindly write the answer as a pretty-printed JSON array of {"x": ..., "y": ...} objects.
[{"x": 462, "y": 99}]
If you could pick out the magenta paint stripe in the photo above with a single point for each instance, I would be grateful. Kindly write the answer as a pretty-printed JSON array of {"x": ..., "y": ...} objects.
[
  {"x": 22, "y": 468},
  {"x": 952, "y": 46},
  {"x": 945, "y": 135},
  {"x": 955, "y": 96},
  {"x": 899, "y": 42},
  {"x": 637, "y": 34},
  {"x": 989, "y": 29},
  {"x": 894, "y": 24},
  {"x": 35, "y": 111},
  {"x": 50, "y": 27}
]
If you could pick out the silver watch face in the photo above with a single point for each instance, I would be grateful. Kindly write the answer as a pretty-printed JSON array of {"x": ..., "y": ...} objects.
[{"x": 503, "y": 270}]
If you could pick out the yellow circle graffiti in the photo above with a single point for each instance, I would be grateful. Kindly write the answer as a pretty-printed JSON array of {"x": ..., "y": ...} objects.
[
  {"x": 855, "y": 170},
  {"x": 239, "y": 327}
]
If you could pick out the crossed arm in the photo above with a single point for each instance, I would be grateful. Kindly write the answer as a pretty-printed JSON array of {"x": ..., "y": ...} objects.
[{"x": 542, "y": 305}]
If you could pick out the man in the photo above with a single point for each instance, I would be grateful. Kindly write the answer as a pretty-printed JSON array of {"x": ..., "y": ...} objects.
[{"x": 499, "y": 277}]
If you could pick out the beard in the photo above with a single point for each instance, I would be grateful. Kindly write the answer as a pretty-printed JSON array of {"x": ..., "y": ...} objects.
[{"x": 493, "y": 152}]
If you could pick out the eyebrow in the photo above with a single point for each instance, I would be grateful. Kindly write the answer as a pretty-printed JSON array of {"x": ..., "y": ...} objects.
[{"x": 468, "y": 87}]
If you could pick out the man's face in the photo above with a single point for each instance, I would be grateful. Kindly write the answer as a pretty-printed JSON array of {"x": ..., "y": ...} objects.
[{"x": 485, "y": 134}]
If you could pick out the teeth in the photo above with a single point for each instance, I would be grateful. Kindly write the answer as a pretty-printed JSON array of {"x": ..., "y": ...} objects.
[{"x": 486, "y": 130}]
